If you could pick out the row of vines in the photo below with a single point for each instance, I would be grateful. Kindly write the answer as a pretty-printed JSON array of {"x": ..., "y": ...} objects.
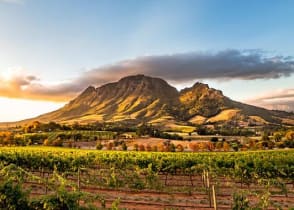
[
  {"x": 63, "y": 176},
  {"x": 249, "y": 165}
]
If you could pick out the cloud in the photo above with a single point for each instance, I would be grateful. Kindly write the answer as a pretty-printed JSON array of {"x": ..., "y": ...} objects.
[
  {"x": 229, "y": 64},
  {"x": 275, "y": 100},
  {"x": 16, "y": 83},
  {"x": 176, "y": 68}
]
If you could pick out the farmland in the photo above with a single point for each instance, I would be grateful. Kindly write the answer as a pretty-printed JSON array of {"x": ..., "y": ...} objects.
[{"x": 153, "y": 180}]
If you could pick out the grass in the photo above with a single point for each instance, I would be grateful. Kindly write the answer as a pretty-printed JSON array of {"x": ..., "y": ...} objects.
[
  {"x": 198, "y": 119},
  {"x": 258, "y": 119},
  {"x": 224, "y": 115},
  {"x": 182, "y": 128}
]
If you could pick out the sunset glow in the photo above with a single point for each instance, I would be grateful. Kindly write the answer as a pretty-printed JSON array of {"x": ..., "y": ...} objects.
[{"x": 19, "y": 109}]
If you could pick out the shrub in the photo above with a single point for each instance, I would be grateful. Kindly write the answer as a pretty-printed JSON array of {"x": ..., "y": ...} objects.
[
  {"x": 124, "y": 146},
  {"x": 214, "y": 139},
  {"x": 99, "y": 146}
]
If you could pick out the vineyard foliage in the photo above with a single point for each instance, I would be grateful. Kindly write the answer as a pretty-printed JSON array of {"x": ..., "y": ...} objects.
[
  {"x": 72, "y": 178},
  {"x": 39, "y": 138},
  {"x": 245, "y": 165}
]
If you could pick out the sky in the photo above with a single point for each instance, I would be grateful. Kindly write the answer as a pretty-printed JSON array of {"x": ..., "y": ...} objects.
[{"x": 51, "y": 50}]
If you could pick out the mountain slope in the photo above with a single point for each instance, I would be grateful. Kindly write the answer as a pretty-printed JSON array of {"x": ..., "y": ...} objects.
[
  {"x": 202, "y": 101},
  {"x": 141, "y": 98},
  {"x": 133, "y": 97}
]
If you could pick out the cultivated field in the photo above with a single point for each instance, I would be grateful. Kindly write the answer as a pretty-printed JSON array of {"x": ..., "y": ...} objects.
[{"x": 154, "y": 180}]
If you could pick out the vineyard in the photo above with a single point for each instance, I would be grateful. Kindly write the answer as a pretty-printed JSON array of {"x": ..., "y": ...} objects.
[
  {"x": 154, "y": 180},
  {"x": 75, "y": 134}
]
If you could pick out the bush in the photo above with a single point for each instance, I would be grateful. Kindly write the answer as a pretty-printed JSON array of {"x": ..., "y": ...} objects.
[
  {"x": 99, "y": 146},
  {"x": 288, "y": 143},
  {"x": 141, "y": 147},
  {"x": 214, "y": 139},
  {"x": 57, "y": 142},
  {"x": 124, "y": 146}
]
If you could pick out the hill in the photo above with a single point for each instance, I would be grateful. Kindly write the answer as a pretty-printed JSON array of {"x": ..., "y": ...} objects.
[{"x": 139, "y": 98}]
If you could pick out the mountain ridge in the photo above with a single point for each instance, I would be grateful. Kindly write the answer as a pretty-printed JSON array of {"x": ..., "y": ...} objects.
[{"x": 140, "y": 98}]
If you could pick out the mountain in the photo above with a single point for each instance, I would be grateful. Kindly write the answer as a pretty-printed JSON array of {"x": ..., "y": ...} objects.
[
  {"x": 141, "y": 98},
  {"x": 210, "y": 105},
  {"x": 132, "y": 98}
]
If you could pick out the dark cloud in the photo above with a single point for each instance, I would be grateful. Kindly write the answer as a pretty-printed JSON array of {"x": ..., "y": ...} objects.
[
  {"x": 229, "y": 64},
  {"x": 176, "y": 68}
]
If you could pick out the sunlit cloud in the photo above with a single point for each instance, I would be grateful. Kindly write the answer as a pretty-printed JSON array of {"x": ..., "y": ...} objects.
[
  {"x": 176, "y": 68},
  {"x": 275, "y": 100},
  {"x": 17, "y": 83}
]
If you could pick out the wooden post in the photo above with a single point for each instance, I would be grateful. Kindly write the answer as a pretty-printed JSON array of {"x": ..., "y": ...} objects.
[
  {"x": 79, "y": 179},
  {"x": 207, "y": 179},
  {"x": 46, "y": 185},
  {"x": 204, "y": 179},
  {"x": 165, "y": 182},
  {"x": 191, "y": 179},
  {"x": 214, "y": 198},
  {"x": 208, "y": 189}
]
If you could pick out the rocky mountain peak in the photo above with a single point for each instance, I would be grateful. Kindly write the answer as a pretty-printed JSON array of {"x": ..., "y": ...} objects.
[{"x": 144, "y": 98}]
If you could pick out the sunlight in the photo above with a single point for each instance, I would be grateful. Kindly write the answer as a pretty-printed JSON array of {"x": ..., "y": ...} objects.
[
  {"x": 9, "y": 73},
  {"x": 19, "y": 109}
]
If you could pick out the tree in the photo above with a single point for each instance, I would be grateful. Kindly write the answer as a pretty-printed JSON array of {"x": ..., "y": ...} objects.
[
  {"x": 265, "y": 137},
  {"x": 278, "y": 136},
  {"x": 210, "y": 146},
  {"x": 214, "y": 139},
  {"x": 154, "y": 148},
  {"x": 290, "y": 135},
  {"x": 219, "y": 145},
  {"x": 171, "y": 147},
  {"x": 6, "y": 138},
  {"x": 77, "y": 137},
  {"x": 148, "y": 148},
  {"x": 235, "y": 146},
  {"x": 145, "y": 130},
  {"x": 180, "y": 148},
  {"x": 202, "y": 146},
  {"x": 46, "y": 142},
  {"x": 124, "y": 146},
  {"x": 109, "y": 146},
  {"x": 161, "y": 148},
  {"x": 57, "y": 142},
  {"x": 194, "y": 147},
  {"x": 226, "y": 146},
  {"x": 99, "y": 146},
  {"x": 141, "y": 147}
]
